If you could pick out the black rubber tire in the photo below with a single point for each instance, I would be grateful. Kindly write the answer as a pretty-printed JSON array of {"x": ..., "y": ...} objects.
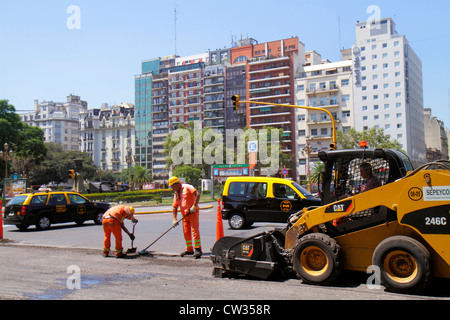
[
  {"x": 98, "y": 218},
  {"x": 318, "y": 259},
  {"x": 405, "y": 264}
]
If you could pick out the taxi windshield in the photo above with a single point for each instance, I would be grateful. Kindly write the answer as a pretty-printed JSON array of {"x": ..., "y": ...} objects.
[
  {"x": 301, "y": 189},
  {"x": 17, "y": 200}
]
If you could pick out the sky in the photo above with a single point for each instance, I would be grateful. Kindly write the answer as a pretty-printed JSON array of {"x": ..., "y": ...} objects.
[{"x": 50, "y": 49}]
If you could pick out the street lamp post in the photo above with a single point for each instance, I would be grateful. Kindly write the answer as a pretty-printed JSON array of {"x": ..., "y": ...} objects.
[
  {"x": 129, "y": 160},
  {"x": 6, "y": 156},
  {"x": 307, "y": 149}
]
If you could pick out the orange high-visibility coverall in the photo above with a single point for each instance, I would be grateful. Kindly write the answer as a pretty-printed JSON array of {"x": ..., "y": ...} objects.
[
  {"x": 112, "y": 220},
  {"x": 184, "y": 200}
]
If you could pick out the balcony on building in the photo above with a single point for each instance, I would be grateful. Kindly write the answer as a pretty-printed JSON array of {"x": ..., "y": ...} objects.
[{"x": 323, "y": 89}]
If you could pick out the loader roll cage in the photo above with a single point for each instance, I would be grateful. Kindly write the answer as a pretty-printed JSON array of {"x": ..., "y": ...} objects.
[{"x": 341, "y": 178}]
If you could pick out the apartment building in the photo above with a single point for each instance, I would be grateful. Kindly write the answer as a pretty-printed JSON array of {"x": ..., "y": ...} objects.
[
  {"x": 388, "y": 91},
  {"x": 270, "y": 70},
  {"x": 214, "y": 98},
  {"x": 58, "y": 120},
  {"x": 107, "y": 135},
  {"x": 186, "y": 90},
  {"x": 435, "y": 137},
  {"x": 152, "y": 114},
  {"x": 327, "y": 86}
]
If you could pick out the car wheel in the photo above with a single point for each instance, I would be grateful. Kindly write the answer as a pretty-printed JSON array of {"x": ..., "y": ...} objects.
[
  {"x": 43, "y": 222},
  {"x": 98, "y": 217},
  {"x": 236, "y": 221}
]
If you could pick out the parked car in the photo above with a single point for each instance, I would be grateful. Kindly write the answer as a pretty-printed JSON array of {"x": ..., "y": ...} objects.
[
  {"x": 262, "y": 199},
  {"x": 45, "y": 208}
]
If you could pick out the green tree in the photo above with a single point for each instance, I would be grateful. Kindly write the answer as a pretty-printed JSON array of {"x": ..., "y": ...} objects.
[
  {"x": 191, "y": 175},
  {"x": 141, "y": 175},
  {"x": 26, "y": 141},
  {"x": 376, "y": 138},
  {"x": 10, "y": 124},
  {"x": 210, "y": 143},
  {"x": 58, "y": 162},
  {"x": 316, "y": 171},
  {"x": 213, "y": 147},
  {"x": 30, "y": 150}
]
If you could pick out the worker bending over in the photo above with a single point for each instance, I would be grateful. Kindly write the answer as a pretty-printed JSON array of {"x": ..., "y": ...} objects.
[
  {"x": 186, "y": 198},
  {"x": 113, "y": 221}
]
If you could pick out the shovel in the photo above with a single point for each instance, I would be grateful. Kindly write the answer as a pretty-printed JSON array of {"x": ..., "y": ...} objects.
[
  {"x": 144, "y": 252},
  {"x": 132, "y": 250}
]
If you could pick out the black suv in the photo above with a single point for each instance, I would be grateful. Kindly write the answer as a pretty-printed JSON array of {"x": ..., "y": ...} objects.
[
  {"x": 44, "y": 208},
  {"x": 262, "y": 199}
]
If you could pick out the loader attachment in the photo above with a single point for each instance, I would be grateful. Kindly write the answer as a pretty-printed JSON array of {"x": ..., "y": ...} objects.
[{"x": 255, "y": 256}]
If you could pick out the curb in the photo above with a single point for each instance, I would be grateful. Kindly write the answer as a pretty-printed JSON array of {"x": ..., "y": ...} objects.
[{"x": 167, "y": 211}]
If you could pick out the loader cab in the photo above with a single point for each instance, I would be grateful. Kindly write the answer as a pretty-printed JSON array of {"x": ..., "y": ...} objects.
[{"x": 342, "y": 177}]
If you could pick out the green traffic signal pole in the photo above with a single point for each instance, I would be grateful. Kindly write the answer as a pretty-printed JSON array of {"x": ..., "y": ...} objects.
[{"x": 300, "y": 107}]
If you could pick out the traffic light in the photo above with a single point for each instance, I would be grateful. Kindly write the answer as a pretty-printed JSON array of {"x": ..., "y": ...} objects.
[
  {"x": 332, "y": 146},
  {"x": 71, "y": 174},
  {"x": 235, "y": 99}
]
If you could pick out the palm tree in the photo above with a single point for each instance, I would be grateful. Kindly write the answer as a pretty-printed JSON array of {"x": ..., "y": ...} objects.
[
  {"x": 141, "y": 176},
  {"x": 316, "y": 171}
]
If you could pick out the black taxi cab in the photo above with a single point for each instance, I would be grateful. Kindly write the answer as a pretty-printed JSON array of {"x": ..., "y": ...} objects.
[
  {"x": 45, "y": 208},
  {"x": 262, "y": 199}
]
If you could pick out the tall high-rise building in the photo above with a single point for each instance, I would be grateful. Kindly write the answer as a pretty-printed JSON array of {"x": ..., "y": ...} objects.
[
  {"x": 271, "y": 68},
  {"x": 152, "y": 113},
  {"x": 388, "y": 91},
  {"x": 326, "y": 85}
]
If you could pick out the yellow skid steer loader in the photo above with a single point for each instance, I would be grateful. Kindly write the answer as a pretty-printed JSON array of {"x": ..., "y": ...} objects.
[{"x": 400, "y": 227}]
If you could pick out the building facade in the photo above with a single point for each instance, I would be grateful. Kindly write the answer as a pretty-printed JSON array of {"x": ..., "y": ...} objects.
[
  {"x": 435, "y": 137},
  {"x": 388, "y": 91},
  {"x": 58, "y": 120},
  {"x": 107, "y": 135},
  {"x": 327, "y": 86}
]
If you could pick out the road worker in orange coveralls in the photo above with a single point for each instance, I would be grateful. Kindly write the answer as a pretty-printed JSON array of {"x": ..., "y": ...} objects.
[
  {"x": 186, "y": 198},
  {"x": 113, "y": 221}
]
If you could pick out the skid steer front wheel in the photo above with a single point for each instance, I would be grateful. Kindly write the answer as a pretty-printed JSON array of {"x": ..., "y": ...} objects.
[
  {"x": 405, "y": 264},
  {"x": 317, "y": 259}
]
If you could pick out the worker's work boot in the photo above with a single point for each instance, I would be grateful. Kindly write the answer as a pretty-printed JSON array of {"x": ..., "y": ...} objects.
[
  {"x": 121, "y": 255},
  {"x": 198, "y": 253},
  {"x": 184, "y": 253}
]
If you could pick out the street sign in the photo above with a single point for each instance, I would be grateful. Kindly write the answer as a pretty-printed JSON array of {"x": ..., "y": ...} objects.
[
  {"x": 252, "y": 146},
  {"x": 230, "y": 170},
  {"x": 284, "y": 172}
]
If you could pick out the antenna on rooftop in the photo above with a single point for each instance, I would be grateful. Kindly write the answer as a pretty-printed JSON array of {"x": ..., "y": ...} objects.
[
  {"x": 339, "y": 28},
  {"x": 175, "y": 20}
]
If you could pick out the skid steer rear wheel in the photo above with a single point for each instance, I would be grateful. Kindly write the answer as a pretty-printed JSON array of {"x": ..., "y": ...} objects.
[
  {"x": 404, "y": 263},
  {"x": 317, "y": 259}
]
